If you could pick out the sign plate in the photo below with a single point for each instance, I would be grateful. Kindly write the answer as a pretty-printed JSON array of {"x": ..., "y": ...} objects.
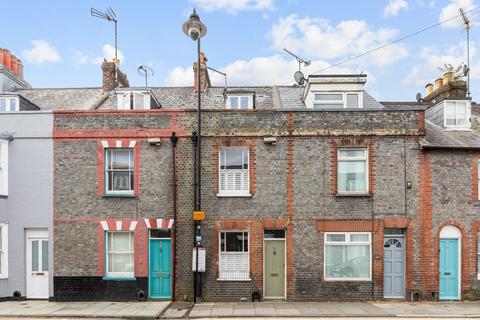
[
  {"x": 198, "y": 215},
  {"x": 201, "y": 259}
]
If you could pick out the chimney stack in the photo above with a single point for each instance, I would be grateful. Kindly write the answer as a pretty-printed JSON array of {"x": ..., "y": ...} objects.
[
  {"x": 11, "y": 62},
  {"x": 112, "y": 76},
  {"x": 204, "y": 77},
  {"x": 446, "y": 87}
]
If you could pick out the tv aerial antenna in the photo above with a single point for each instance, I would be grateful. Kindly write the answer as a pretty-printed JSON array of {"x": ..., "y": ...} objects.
[
  {"x": 145, "y": 71},
  {"x": 466, "y": 68},
  {"x": 298, "y": 75},
  {"x": 221, "y": 73},
  {"x": 108, "y": 15}
]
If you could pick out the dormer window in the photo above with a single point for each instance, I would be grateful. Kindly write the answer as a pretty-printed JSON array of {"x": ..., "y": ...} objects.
[
  {"x": 239, "y": 101},
  {"x": 457, "y": 114},
  {"x": 136, "y": 100},
  {"x": 333, "y": 100},
  {"x": 9, "y": 104}
]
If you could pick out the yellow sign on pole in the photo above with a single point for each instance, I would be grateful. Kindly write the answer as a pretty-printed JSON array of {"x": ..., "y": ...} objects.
[{"x": 198, "y": 215}]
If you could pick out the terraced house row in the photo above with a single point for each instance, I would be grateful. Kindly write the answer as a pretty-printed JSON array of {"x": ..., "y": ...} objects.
[{"x": 314, "y": 192}]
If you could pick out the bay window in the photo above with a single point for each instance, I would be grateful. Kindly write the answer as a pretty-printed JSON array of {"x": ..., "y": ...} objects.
[
  {"x": 347, "y": 256},
  {"x": 120, "y": 251},
  {"x": 119, "y": 169},
  {"x": 352, "y": 175},
  {"x": 234, "y": 256},
  {"x": 234, "y": 177}
]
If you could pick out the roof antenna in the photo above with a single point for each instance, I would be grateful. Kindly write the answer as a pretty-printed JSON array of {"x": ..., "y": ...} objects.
[
  {"x": 298, "y": 76},
  {"x": 108, "y": 15},
  {"x": 219, "y": 72},
  {"x": 466, "y": 69},
  {"x": 145, "y": 71}
]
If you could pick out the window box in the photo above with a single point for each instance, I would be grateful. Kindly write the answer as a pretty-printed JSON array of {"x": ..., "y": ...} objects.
[
  {"x": 234, "y": 175},
  {"x": 234, "y": 259},
  {"x": 119, "y": 195},
  {"x": 119, "y": 255},
  {"x": 347, "y": 256},
  {"x": 119, "y": 279},
  {"x": 352, "y": 172}
]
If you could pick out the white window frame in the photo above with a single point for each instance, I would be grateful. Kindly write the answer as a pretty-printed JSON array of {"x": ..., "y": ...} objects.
[
  {"x": 124, "y": 100},
  {"x": 3, "y": 167},
  {"x": 239, "y": 96},
  {"x": 318, "y": 103},
  {"x": 119, "y": 192},
  {"x": 346, "y": 242},
  {"x": 222, "y": 255},
  {"x": 108, "y": 234},
  {"x": 367, "y": 173},
  {"x": 8, "y": 100},
  {"x": 245, "y": 192},
  {"x": 4, "y": 251},
  {"x": 466, "y": 104}
]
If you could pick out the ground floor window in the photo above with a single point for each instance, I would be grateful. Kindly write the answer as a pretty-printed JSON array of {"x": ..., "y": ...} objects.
[
  {"x": 234, "y": 255},
  {"x": 120, "y": 259},
  {"x": 3, "y": 251},
  {"x": 347, "y": 256}
]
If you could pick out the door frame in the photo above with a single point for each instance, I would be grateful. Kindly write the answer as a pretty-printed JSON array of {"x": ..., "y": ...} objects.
[
  {"x": 285, "y": 262},
  {"x": 451, "y": 232},
  {"x": 36, "y": 233},
  {"x": 393, "y": 236},
  {"x": 171, "y": 261}
]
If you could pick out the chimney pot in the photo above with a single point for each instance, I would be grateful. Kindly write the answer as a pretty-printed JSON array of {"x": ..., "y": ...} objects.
[
  {"x": 438, "y": 83},
  {"x": 14, "y": 64},
  {"x": 20, "y": 68},
  {"x": 7, "y": 59},
  {"x": 447, "y": 77},
  {"x": 428, "y": 89},
  {"x": 1, "y": 56}
]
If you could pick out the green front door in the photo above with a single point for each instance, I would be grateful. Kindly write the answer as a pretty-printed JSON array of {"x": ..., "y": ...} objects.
[{"x": 275, "y": 269}]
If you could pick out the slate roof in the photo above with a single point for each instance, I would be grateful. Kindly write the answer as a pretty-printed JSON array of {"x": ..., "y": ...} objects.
[
  {"x": 437, "y": 137},
  {"x": 266, "y": 97}
]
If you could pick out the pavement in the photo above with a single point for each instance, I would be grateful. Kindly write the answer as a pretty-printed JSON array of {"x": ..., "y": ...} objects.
[
  {"x": 41, "y": 309},
  {"x": 245, "y": 310}
]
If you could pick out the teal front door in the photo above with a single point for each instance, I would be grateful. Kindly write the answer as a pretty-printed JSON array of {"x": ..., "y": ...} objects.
[
  {"x": 160, "y": 280},
  {"x": 449, "y": 273}
]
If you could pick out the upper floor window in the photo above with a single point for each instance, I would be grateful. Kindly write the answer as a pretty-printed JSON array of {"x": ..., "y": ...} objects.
[
  {"x": 352, "y": 170},
  {"x": 457, "y": 114},
  {"x": 9, "y": 104},
  {"x": 3, "y": 167},
  {"x": 336, "y": 100},
  {"x": 130, "y": 100},
  {"x": 120, "y": 251},
  {"x": 234, "y": 171},
  {"x": 243, "y": 101},
  {"x": 119, "y": 169},
  {"x": 234, "y": 258}
]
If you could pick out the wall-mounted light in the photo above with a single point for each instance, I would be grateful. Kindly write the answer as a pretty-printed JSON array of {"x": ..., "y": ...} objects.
[
  {"x": 270, "y": 140},
  {"x": 154, "y": 141},
  {"x": 409, "y": 185}
]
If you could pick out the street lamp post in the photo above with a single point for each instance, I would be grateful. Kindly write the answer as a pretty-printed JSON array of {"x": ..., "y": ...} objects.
[{"x": 195, "y": 29}]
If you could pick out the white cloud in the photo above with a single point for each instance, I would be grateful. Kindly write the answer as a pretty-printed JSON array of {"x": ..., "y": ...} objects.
[
  {"x": 317, "y": 38},
  {"x": 108, "y": 52},
  {"x": 270, "y": 70},
  {"x": 234, "y": 6},
  {"x": 451, "y": 10},
  {"x": 79, "y": 57},
  {"x": 394, "y": 7},
  {"x": 433, "y": 58},
  {"x": 40, "y": 53}
]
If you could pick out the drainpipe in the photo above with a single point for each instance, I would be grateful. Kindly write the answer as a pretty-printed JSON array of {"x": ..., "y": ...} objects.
[{"x": 174, "y": 141}]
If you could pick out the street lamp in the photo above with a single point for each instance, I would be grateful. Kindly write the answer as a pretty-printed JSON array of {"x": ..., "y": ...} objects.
[{"x": 195, "y": 30}]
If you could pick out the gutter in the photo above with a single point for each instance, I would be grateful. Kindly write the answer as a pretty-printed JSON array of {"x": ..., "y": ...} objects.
[{"x": 174, "y": 141}]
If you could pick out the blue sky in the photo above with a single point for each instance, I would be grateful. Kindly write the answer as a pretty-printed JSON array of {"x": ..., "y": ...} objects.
[{"x": 61, "y": 45}]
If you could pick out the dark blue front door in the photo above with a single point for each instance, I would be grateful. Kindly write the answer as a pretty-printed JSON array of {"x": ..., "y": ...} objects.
[{"x": 160, "y": 285}]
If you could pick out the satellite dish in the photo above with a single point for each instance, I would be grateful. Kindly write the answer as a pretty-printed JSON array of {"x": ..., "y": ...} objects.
[
  {"x": 419, "y": 97},
  {"x": 145, "y": 71},
  {"x": 465, "y": 70},
  {"x": 299, "y": 77}
]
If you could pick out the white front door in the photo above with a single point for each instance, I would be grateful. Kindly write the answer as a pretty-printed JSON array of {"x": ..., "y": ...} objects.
[{"x": 37, "y": 264}]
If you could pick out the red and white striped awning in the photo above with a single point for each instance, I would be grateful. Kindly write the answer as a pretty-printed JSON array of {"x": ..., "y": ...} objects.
[{"x": 159, "y": 223}]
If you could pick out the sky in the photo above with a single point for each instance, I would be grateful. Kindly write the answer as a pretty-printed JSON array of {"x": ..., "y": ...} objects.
[{"x": 62, "y": 45}]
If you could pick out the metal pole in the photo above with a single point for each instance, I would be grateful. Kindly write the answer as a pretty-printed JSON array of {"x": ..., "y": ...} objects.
[
  {"x": 198, "y": 205},
  {"x": 116, "y": 44},
  {"x": 468, "y": 61}
]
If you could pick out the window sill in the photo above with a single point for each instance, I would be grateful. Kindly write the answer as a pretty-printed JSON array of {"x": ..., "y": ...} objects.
[
  {"x": 118, "y": 195},
  {"x": 233, "y": 280},
  {"x": 230, "y": 195},
  {"x": 347, "y": 194},
  {"x": 348, "y": 280},
  {"x": 111, "y": 278}
]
